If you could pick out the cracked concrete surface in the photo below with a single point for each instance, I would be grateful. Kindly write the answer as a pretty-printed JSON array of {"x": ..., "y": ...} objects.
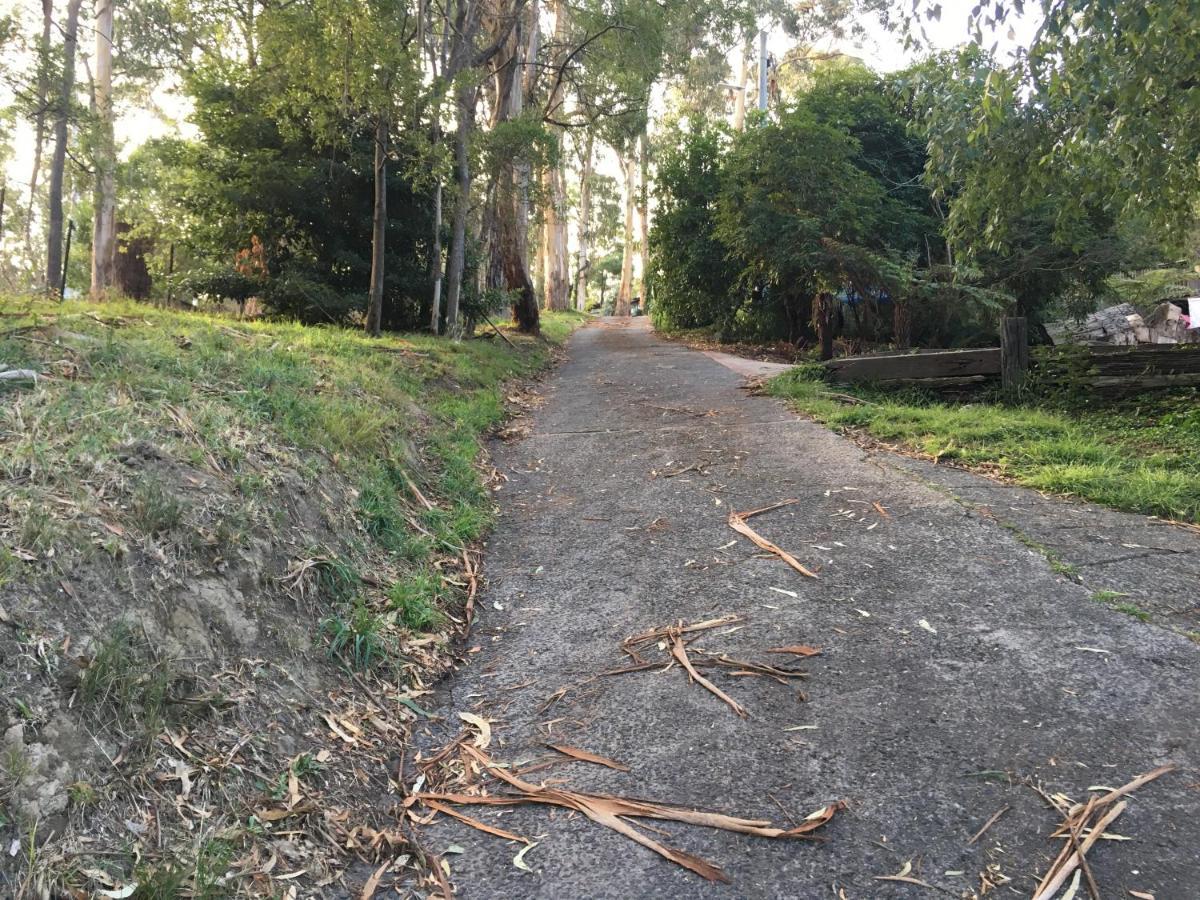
[
  {"x": 1016, "y": 670},
  {"x": 1153, "y": 565}
]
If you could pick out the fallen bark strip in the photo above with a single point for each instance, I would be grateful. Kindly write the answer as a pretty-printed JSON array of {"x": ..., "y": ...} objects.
[
  {"x": 586, "y": 756},
  {"x": 1093, "y": 889},
  {"x": 610, "y": 811},
  {"x": 797, "y": 650},
  {"x": 665, "y": 631},
  {"x": 1054, "y": 879},
  {"x": 678, "y": 651},
  {"x": 671, "y": 639},
  {"x": 474, "y": 823},
  {"x": 737, "y": 521},
  {"x": 1127, "y": 789},
  {"x": 1079, "y": 839},
  {"x": 988, "y": 824}
]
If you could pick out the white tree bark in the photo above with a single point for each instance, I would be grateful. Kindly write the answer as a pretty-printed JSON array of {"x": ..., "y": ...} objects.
[
  {"x": 43, "y": 100},
  {"x": 378, "y": 228},
  {"x": 557, "y": 271},
  {"x": 643, "y": 214},
  {"x": 625, "y": 291},
  {"x": 739, "y": 100},
  {"x": 583, "y": 267},
  {"x": 104, "y": 216}
]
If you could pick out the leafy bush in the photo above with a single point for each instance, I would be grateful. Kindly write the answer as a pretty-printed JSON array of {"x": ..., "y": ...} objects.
[
  {"x": 297, "y": 293},
  {"x": 218, "y": 283}
]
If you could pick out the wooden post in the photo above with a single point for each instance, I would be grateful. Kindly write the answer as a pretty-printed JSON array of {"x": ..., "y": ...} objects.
[
  {"x": 1014, "y": 351},
  {"x": 62, "y": 286},
  {"x": 823, "y": 312},
  {"x": 170, "y": 272}
]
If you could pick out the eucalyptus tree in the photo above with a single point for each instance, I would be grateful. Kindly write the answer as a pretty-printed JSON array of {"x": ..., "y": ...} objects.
[
  {"x": 104, "y": 158},
  {"x": 62, "y": 113},
  {"x": 1115, "y": 86},
  {"x": 1036, "y": 221},
  {"x": 554, "y": 187}
]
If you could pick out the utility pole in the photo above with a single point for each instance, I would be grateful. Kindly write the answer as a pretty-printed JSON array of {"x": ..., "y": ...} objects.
[{"x": 762, "y": 70}]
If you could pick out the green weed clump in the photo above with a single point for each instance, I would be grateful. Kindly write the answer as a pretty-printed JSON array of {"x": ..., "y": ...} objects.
[
  {"x": 201, "y": 879},
  {"x": 356, "y": 636},
  {"x": 417, "y": 601},
  {"x": 124, "y": 683},
  {"x": 154, "y": 509}
]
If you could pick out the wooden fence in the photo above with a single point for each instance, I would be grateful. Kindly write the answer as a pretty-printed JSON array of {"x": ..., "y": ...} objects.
[
  {"x": 1105, "y": 369},
  {"x": 939, "y": 369}
]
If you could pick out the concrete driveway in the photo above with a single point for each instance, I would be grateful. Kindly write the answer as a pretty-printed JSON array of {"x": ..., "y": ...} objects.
[{"x": 960, "y": 670}]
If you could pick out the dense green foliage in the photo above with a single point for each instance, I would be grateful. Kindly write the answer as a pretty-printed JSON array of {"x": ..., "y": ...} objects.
[
  {"x": 901, "y": 198},
  {"x": 257, "y": 174},
  {"x": 823, "y": 199}
]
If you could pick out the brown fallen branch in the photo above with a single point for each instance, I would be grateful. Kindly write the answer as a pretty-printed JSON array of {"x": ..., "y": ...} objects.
[
  {"x": 474, "y": 823},
  {"x": 678, "y": 651},
  {"x": 988, "y": 824},
  {"x": 737, "y": 521},
  {"x": 741, "y": 667},
  {"x": 1081, "y": 833},
  {"x": 1069, "y": 860},
  {"x": 612, "y": 812},
  {"x": 701, "y": 659},
  {"x": 654, "y": 635},
  {"x": 1093, "y": 889},
  {"x": 797, "y": 650},
  {"x": 671, "y": 638},
  {"x": 698, "y": 468}
]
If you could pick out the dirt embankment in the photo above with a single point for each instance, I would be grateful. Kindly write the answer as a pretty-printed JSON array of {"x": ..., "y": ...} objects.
[{"x": 232, "y": 559}]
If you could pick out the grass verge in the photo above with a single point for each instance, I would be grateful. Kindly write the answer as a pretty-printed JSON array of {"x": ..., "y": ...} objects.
[
  {"x": 204, "y": 523},
  {"x": 398, "y": 418},
  {"x": 1142, "y": 457}
]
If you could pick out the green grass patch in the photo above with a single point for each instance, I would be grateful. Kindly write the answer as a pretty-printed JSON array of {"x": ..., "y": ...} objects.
[
  {"x": 201, "y": 879},
  {"x": 1143, "y": 457},
  {"x": 124, "y": 683},
  {"x": 418, "y": 601},
  {"x": 357, "y": 636}
]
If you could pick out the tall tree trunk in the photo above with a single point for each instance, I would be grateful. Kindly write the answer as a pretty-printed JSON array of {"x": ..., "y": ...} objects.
[
  {"x": 465, "y": 97},
  {"x": 508, "y": 237},
  {"x": 644, "y": 215},
  {"x": 435, "y": 262},
  {"x": 58, "y": 161},
  {"x": 625, "y": 291},
  {"x": 557, "y": 273},
  {"x": 584, "y": 266},
  {"x": 39, "y": 128},
  {"x": 378, "y": 228},
  {"x": 557, "y": 265},
  {"x": 739, "y": 100},
  {"x": 537, "y": 269},
  {"x": 104, "y": 216},
  {"x": 901, "y": 323}
]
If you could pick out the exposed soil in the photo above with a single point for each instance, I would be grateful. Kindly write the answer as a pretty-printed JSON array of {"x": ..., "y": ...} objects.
[{"x": 220, "y": 683}]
